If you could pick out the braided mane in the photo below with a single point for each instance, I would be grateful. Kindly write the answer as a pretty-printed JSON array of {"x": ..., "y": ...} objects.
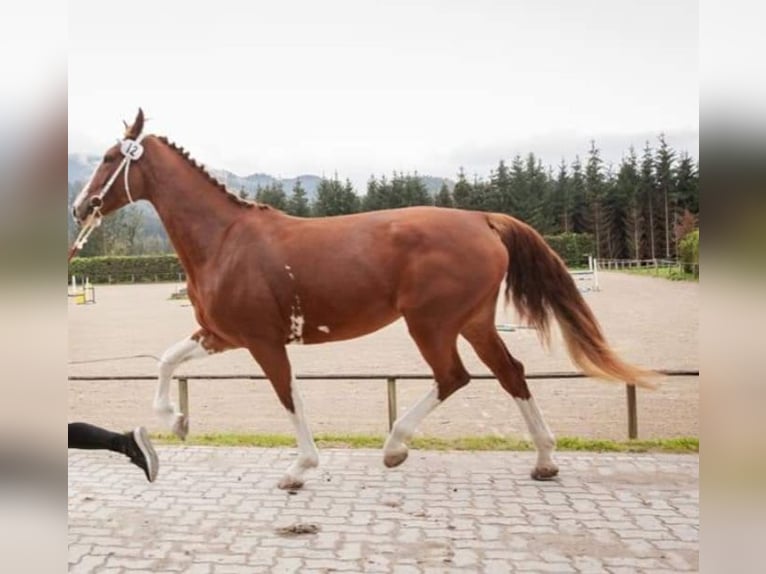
[{"x": 200, "y": 168}]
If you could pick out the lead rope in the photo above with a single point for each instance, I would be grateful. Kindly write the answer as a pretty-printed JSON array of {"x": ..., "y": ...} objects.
[{"x": 120, "y": 358}]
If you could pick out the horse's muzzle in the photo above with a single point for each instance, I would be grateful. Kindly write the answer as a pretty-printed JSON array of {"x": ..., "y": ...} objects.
[{"x": 86, "y": 208}]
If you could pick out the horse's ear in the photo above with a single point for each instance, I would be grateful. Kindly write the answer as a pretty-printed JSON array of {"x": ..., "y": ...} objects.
[{"x": 132, "y": 132}]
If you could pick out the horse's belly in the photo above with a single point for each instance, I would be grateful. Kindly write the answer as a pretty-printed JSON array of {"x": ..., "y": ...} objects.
[{"x": 327, "y": 329}]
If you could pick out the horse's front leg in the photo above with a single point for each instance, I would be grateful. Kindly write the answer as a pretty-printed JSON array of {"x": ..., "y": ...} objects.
[
  {"x": 276, "y": 366},
  {"x": 194, "y": 347}
]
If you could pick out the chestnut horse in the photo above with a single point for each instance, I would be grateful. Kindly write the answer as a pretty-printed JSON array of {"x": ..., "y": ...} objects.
[{"x": 261, "y": 279}]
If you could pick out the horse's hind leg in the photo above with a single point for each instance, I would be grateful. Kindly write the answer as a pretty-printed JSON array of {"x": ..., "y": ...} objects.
[
  {"x": 200, "y": 344},
  {"x": 276, "y": 366},
  {"x": 439, "y": 348},
  {"x": 510, "y": 373}
]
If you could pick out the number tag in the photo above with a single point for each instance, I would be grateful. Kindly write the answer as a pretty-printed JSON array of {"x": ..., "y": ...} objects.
[{"x": 131, "y": 149}]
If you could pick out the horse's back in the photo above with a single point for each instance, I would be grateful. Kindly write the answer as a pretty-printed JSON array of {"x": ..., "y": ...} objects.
[{"x": 389, "y": 240}]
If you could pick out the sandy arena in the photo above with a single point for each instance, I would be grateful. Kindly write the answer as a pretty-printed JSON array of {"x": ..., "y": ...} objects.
[{"x": 652, "y": 322}]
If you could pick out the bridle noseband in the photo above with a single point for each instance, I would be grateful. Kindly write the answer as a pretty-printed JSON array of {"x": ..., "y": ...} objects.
[{"x": 131, "y": 150}]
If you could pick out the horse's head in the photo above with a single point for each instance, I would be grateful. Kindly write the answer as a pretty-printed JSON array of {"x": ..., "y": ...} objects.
[{"x": 118, "y": 179}]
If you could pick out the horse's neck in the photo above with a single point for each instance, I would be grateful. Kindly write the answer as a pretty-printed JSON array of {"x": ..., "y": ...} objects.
[{"x": 194, "y": 212}]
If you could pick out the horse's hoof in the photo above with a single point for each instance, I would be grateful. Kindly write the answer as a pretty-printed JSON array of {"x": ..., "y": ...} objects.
[
  {"x": 545, "y": 472},
  {"x": 290, "y": 483},
  {"x": 393, "y": 459},
  {"x": 181, "y": 426}
]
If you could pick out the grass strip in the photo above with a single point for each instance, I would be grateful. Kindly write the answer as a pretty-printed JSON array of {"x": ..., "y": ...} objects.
[{"x": 469, "y": 443}]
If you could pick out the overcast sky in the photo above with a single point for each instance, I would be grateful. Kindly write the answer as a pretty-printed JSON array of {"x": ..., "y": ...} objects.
[{"x": 363, "y": 87}]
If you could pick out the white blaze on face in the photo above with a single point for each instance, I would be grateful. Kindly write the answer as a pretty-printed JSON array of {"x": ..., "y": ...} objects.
[{"x": 84, "y": 192}]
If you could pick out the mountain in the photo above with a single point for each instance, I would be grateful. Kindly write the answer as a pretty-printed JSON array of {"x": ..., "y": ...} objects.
[
  {"x": 81, "y": 166},
  {"x": 250, "y": 183}
]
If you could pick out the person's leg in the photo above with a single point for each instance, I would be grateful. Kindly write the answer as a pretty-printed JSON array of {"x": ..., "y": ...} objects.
[
  {"x": 133, "y": 444},
  {"x": 87, "y": 436}
]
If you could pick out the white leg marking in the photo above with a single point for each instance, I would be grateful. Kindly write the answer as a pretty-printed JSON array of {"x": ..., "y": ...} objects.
[
  {"x": 395, "y": 451},
  {"x": 541, "y": 434},
  {"x": 181, "y": 351},
  {"x": 308, "y": 456}
]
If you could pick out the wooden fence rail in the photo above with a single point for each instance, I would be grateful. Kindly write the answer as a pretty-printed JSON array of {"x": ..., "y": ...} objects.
[{"x": 391, "y": 388}]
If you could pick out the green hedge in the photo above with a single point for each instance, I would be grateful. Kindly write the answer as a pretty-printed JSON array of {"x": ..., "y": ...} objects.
[
  {"x": 573, "y": 248},
  {"x": 127, "y": 269}
]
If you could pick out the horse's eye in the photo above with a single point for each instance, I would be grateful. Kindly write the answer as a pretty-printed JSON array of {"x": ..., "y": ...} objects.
[{"x": 109, "y": 158}]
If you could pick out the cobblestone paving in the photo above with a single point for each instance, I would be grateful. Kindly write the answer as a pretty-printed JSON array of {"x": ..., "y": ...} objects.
[{"x": 217, "y": 510}]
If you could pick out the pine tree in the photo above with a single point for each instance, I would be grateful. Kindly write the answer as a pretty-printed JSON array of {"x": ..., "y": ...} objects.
[
  {"x": 687, "y": 184},
  {"x": 580, "y": 215},
  {"x": 501, "y": 183},
  {"x": 298, "y": 204},
  {"x": 647, "y": 191},
  {"x": 378, "y": 194},
  {"x": 462, "y": 192},
  {"x": 538, "y": 194},
  {"x": 519, "y": 189},
  {"x": 594, "y": 190},
  {"x": 406, "y": 190},
  {"x": 628, "y": 186},
  {"x": 325, "y": 199},
  {"x": 549, "y": 208},
  {"x": 415, "y": 191},
  {"x": 351, "y": 201},
  {"x": 665, "y": 179},
  {"x": 481, "y": 195},
  {"x": 334, "y": 198},
  {"x": 243, "y": 194},
  {"x": 613, "y": 216},
  {"x": 272, "y": 195},
  {"x": 371, "y": 200},
  {"x": 561, "y": 200},
  {"x": 396, "y": 194},
  {"x": 444, "y": 197}
]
